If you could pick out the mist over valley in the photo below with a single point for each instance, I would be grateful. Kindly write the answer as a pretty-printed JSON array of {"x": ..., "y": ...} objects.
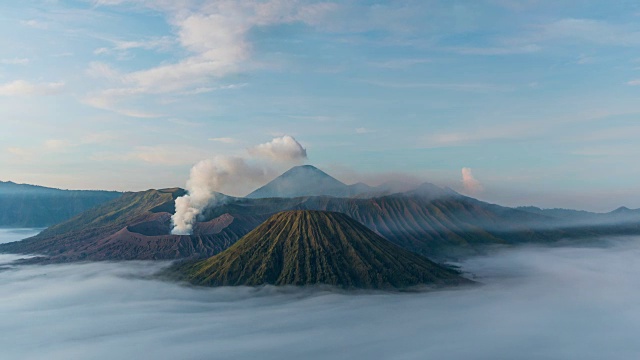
[{"x": 534, "y": 302}]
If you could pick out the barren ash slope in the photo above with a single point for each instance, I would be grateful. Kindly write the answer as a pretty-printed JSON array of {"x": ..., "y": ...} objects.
[
  {"x": 312, "y": 248},
  {"x": 135, "y": 226}
]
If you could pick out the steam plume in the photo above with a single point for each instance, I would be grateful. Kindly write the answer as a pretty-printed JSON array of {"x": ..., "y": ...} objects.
[
  {"x": 232, "y": 174},
  {"x": 471, "y": 185}
]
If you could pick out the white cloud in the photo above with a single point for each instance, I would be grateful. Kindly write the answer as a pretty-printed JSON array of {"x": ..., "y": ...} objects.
[
  {"x": 285, "y": 149},
  {"x": 634, "y": 82},
  {"x": 471, "y": 185},
  {"x": 156, "y": 43},
  {"x": 25, "y": 88},
  {"x": 215, "y": 35}
]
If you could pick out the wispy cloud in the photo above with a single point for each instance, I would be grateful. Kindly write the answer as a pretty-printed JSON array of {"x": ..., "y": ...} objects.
[
  {"x": 56, "y": 144},
  {"x": 363, "y": 130},
  {"x": 464, "y": 137},
  {"x": 161, "y": 155},
  {"x": 110, "y": 100},
  {"x": 400, "y": 63},
  {"x": 25, "y": 88},
  {"x": 215, "y": 35},
  {"x": 224, "y": 140},
  {"x": 497, "y": 50},
  {"x": 15, "y": 61},
  {"x": 18, "y": 151},
  {"x": 537, "y": 37},
  {"x": 102, "y": 70},
  {"x": 589, "y": 31},
  {"x": 472, "y": 87},
  {"x": 36, "y": 24},
  {"x": 215, "y": 42},
  {"x": 162, "y": 43}
]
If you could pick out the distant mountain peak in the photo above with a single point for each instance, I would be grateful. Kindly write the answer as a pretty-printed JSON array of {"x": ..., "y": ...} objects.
[
  {"x": 622, "y": 210},
  {"x": 307, "y": 170},
  {"x": 308, "y": 180},
  {"x": 304, "y": 180}
]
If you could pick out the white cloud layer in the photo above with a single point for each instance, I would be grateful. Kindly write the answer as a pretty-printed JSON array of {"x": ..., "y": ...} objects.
[
  {"x": 214, "y": 36},
  {"x": 535, "y": 303}
]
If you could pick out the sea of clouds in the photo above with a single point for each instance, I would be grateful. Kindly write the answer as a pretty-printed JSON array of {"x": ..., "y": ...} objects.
[{"x": 536, "y": 303}]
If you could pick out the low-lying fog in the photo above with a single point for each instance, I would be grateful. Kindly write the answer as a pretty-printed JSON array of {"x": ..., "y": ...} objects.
[
  {"x": 537, "y": 303},
  {"x": 9, "y": 235}
]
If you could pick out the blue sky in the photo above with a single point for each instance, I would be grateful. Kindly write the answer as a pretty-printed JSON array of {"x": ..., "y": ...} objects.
[{"x": 539, "y": 99}]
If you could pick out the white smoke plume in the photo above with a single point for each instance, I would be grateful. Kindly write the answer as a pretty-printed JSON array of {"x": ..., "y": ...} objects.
[
  {"x": 232, "y": 174},
  {"x": 471, "y": 185}
]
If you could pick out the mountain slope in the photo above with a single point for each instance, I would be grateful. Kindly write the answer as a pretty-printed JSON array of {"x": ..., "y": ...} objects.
[
  {"x": 303, "y": 180},
  {"x": 133, "y": 227},
  {"x": 23, "y": 205},
  {"x": 314, "y": 247},
  {"x": 434, "y": 222}
]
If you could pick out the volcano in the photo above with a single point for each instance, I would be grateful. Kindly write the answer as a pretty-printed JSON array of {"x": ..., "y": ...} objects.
[{"x": 316, "y": 247}]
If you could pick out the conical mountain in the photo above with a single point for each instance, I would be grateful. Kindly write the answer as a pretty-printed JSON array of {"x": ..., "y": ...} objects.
[
  {"x": 317, "y": 247},
  {"x": 305, "y": 180}
]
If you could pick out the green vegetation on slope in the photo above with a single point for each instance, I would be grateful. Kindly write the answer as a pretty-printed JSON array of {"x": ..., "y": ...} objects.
[{"x": 316, "y": 247}]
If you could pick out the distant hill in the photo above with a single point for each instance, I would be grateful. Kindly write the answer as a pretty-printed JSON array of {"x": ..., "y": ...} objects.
[
  {"x": 315, "y": 247},
  {"x": 23, "y": 205},
  {"x": 620, "y": 215}
]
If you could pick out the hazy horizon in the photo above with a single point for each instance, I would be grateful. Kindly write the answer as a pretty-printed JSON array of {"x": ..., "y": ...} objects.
[{"x": 411, "y": 182}]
